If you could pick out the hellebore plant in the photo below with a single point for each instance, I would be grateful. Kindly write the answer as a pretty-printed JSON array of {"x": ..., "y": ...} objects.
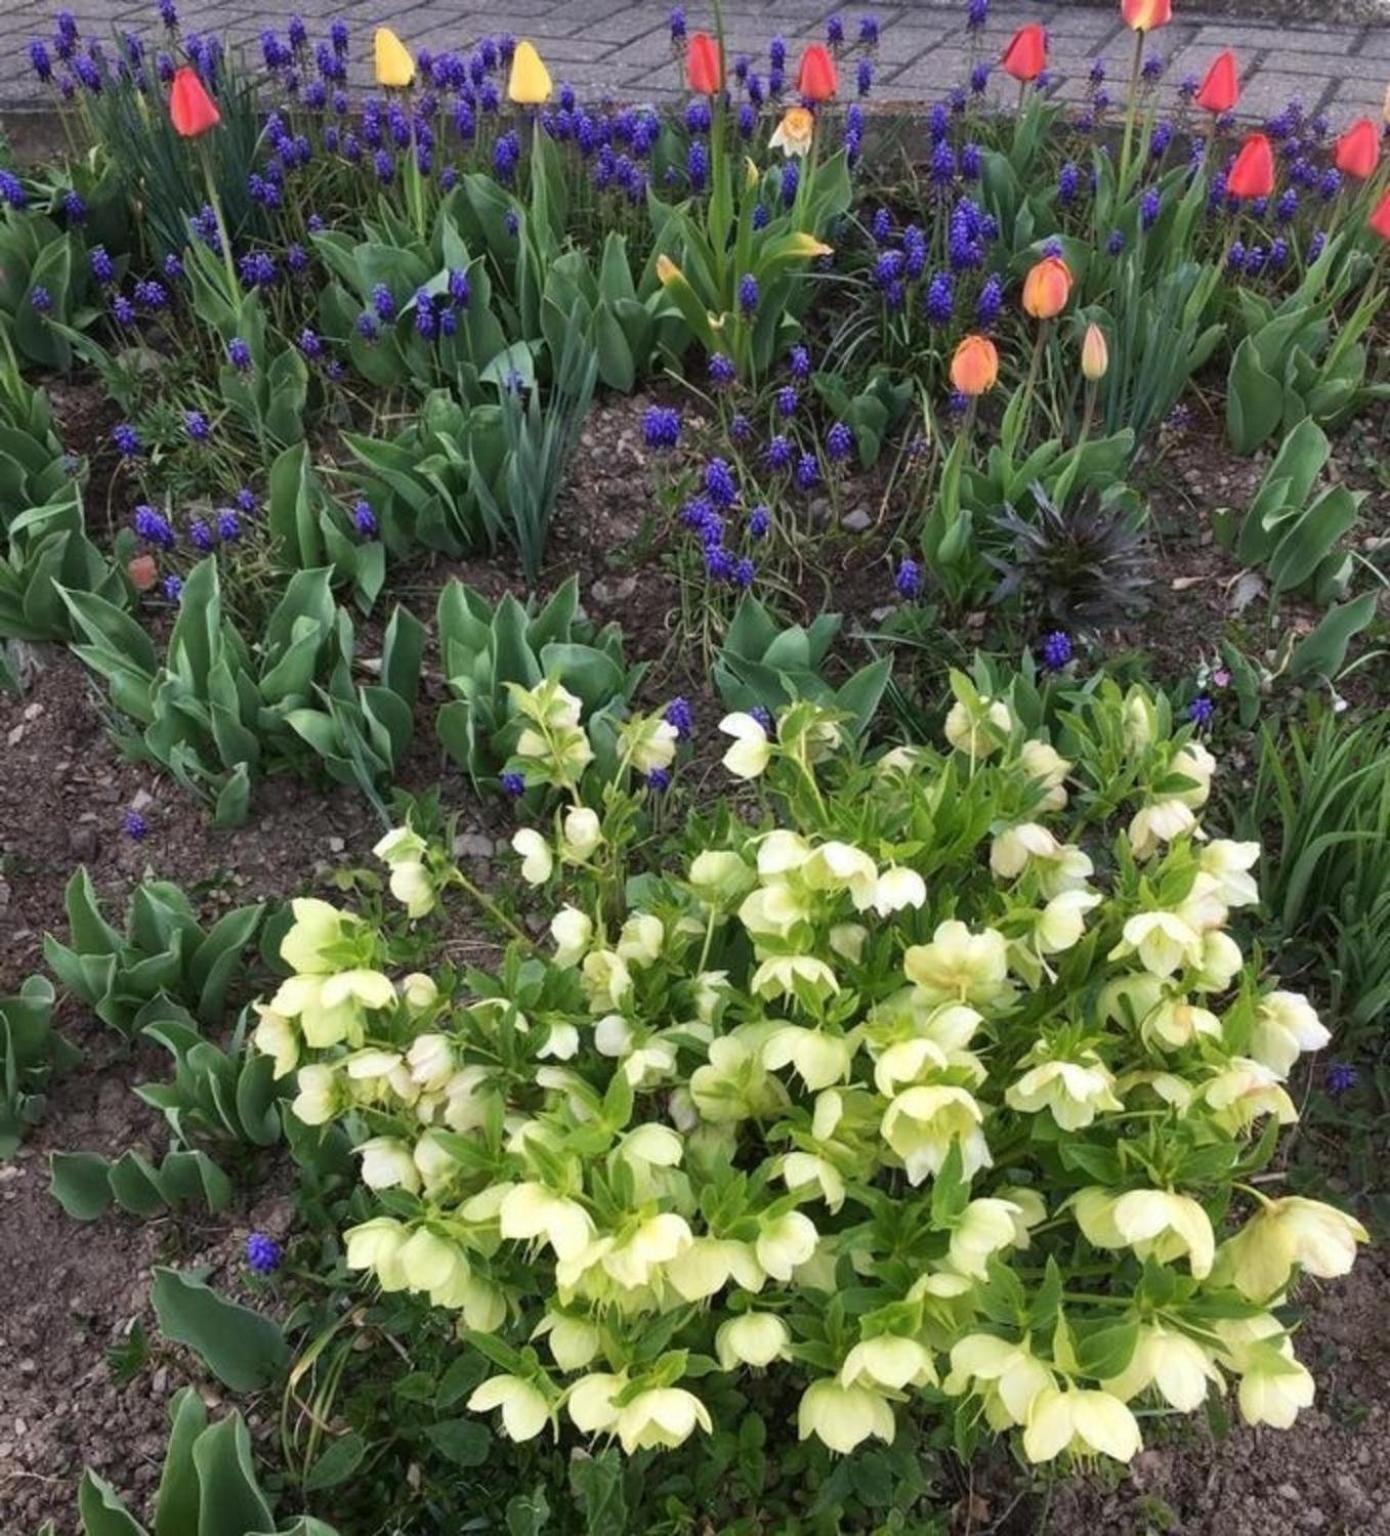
[{"x": 909, "y": 1099}]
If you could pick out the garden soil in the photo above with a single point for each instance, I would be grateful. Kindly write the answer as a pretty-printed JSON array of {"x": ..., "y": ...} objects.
[{"x": 72, "y": 1293}]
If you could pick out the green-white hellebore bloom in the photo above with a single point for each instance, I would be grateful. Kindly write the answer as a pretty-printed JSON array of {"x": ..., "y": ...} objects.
[
  {"x": 842, "y": 1417},
  {"x": 537, "y": 861},
  {"x": 752, "y": 1338},
  {"x": 751, "y": 751},
  {"x": 525, "y": 1412}
]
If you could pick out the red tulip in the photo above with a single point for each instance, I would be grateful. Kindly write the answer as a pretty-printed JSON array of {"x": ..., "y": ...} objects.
[
  {"x": 1358, "y": 149},
  {"x": 191, "y": 110},
  {"x": 1220, "y": 90},
  {"x": 702, "y": 65},
  {"x": 1379, "y": 220},
  {"x": 1145, "y": 15},
  {"x": 816, "y": 78},
  {"x": 1253, "y": 173},
  {"x": 1026, "y": 56},
  {"x": 143, "y": 572}
]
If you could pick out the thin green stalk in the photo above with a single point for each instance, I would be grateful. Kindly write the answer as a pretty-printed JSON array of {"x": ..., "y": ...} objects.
[{"x": 224, "y": 237}]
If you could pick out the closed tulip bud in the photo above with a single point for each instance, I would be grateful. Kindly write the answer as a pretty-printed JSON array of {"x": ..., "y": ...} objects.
[
  {"x": 529, "y": 84},
  {"x": 395, "y": 68},
  {"x": 1252, "y": 175},
  {"x": 143, "y": 572},
  {"x": 1095, "y": 354},
  {"x": 1220, "y": 88},
  {"x": 975, "y": 366},
  {"x": 1047, "y": 288},
  {"x": 1145, "y": 15},
  {"x": 1025, "y": 58},
  {"x": 191, "y": 110},
  {"x": 703, "y": 66},
  {"x": 1379, "y": 221},
  {"x": 1358, "y": 150},
  {"x": 816, "y": 78}
]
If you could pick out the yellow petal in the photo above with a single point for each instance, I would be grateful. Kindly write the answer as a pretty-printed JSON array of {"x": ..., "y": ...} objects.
[
  {"x": 394, "y": 65},
  {"x": 529, "y": 85},
  {"x": 667, "y": 271}
]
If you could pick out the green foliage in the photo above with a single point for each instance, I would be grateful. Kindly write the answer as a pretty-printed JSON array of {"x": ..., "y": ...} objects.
[
  {"x": 871, "y": 414},
  {"x": 715, "y": 244},
  {"x": 244, "y": 1349},
  {"x": 162, "y": 174},
  {"x": 1295, "y": 539},
  {"x": 485, "y": 649},
  {"x": 310, "y": 529},
  {"x": 164, "y": 953},
  {"x": 763, "y": 665},
  {"x": 1294, "y": 362},
  {"x": 425, "y": 484},
  {"x": 49, "y": 553},
  {"x": 35, "y": 253},
  {"x": 1081, "y": 562},
  {"x": 221, "y": 710},
  {"x": 86, "y": 1184},
  {"x": 361, "y": 735},
  {"x": 1326, "y": 873},
  {"x": 208, "y": 1487},
  {"x": 1157, "y": 340},
  {"x": 32, "y": 471},
  {"x": 604, "y": 308},
  {"x": 540, "y": 440},
  {"x": 223, "y": 1096},
  {"x": 31, "y": 1051}
]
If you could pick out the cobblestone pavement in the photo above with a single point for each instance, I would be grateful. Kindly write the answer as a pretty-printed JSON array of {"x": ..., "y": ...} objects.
[{"x": 622, "y": 48}]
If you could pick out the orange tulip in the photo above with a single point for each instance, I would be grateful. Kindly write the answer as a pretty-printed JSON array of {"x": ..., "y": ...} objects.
[
  {"x": 703, "y": 66},
  {"x": 1047, "y": 288},
  {"x": 1145, "y": 15},
  {"x": 1026, "y": 56},
  {"x": 816, "y": 78},
  {"x": 1252, "y": 175},
  {"x": 191, "y": 110},
  {"x": 975, "y": 366},
  {"x": 1358, "y": 149},
  {"x": 1379, "y": 220},
  {"x": 1220, "y": 89}
]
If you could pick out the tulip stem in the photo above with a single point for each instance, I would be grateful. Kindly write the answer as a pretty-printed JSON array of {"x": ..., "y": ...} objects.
[
  {"x": 224, "y": 237},
  {"x": 1131, "y": 109},
  {"x": 1031, "y": 382}
]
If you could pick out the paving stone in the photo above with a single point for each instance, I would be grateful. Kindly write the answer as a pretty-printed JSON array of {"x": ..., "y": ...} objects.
[
  {"x": 1280, "y": 41},
  {"x": 624, "y": 45}
]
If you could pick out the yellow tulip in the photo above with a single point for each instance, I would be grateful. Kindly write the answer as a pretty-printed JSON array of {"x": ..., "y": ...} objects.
[
  {"x": 394, "y": 65},
  {"x": 667, "y": 271},
  {"x": 529, "y": 85},
  {"x": 1095, "y": 355}
]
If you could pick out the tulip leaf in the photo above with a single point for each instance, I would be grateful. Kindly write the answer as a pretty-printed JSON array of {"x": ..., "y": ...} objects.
[{"x": 242, "y": 1348}]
